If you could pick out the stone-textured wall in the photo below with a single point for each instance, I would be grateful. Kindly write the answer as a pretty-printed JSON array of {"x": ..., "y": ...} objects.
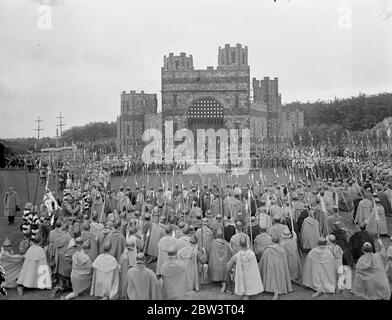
[
  {"x": 133, "y": 103},
  {"x": 131, "y": 124},
  {"x": 290, "y": 123},
  {"x": 153, "y": 121},
  {"x": 267, "y": 91},
  {"x": 178, "y": 63},
  {"x": 229, "y": 83},
  {"x": 258, "y": 128},
  {"x": 233, "y": 57},
  {"x": 229, "y": 87}
]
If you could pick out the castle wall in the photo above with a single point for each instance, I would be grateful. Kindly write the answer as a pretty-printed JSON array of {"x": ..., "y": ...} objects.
[
  {"x": 267, "y": 91},
  {"x": 134, "y": 107},
  {"x": 290, "y": 123},
  {"x": 228, "y": 84}
]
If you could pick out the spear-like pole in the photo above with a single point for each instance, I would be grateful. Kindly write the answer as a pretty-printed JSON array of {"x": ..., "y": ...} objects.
[{"x": 27, "y": 185}]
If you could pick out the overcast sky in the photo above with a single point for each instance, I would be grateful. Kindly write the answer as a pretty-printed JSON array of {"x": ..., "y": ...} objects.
[{"x": 97, "y": 48}]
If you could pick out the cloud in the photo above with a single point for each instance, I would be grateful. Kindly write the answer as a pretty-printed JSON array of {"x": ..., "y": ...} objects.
[{"x": 98, "y": 48}]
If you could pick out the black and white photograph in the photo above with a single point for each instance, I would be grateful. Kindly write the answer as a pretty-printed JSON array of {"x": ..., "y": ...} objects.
[{"x": 212, "y": 150}]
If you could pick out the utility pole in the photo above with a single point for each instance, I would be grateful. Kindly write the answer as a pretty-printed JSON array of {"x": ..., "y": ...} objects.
[
  {"x": 61, "y": 125},
  {"x": 38, "y": 129}
]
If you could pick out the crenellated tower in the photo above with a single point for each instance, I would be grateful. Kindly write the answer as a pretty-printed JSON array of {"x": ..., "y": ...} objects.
[
  {"x": 230, "y": 58},
  {"x": 178, "y": 63}
]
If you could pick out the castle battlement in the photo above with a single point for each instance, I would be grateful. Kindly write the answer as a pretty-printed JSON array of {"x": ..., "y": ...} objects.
[
  {"x": 233, "y": 57},
  {"x": 178, "y": 63}
]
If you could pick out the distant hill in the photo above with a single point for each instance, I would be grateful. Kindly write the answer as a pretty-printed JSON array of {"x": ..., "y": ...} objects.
[{"x": 353, "y": 114}]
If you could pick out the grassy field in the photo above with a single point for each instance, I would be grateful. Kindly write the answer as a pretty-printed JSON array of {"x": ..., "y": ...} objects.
[{"x": 25, "y": 185}]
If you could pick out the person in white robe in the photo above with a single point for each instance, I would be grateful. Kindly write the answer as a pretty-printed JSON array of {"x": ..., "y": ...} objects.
[
  {"x": 246, "y": 275},
  {"x": 164, "y": 244},
  {"x": 320, "y": 270},
  {"x": 376, "y": 222},
  {"x": 364, "y": 209},
  {"x": 128, "y": 258},
  {"x": 105, "y": 283},
  {"x": 310, "y": 233},
  {"x": 35, "y": 272}
]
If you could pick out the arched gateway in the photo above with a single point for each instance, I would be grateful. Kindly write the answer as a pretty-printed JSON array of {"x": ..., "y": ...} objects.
[{"x": 205, "y": 113}]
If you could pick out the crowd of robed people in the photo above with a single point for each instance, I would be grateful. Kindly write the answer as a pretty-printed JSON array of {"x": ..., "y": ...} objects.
[{"x": 165, "y": 242}]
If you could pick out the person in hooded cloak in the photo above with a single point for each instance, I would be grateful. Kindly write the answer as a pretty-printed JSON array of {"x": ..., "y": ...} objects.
[
  {"x": 274, "y": 270},
  {"x": 164, "y": 244},
  {"x": 319, "y": 271},
  {"x": 82, "y": 270},
  {"x": 371, "y": 280},
  {"x": 310, "y": 233},
  {"x": 105, "y": 282},
  {"x": 289, "y": 243},
  {"x": 142, "y": 283},
  {"x": 219, "y": 256},
  {"x": 173, "y": 273}
]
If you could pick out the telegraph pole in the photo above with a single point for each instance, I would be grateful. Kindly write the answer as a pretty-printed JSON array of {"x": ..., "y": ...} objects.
[
  {"x": 38, "y": 129},
  {"x": 61, "y": 125}
]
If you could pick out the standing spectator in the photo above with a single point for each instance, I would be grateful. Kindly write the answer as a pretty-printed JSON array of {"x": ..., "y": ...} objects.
[
  {"x": 11, "y": 201},
  {"x": 42, "y": 175}
]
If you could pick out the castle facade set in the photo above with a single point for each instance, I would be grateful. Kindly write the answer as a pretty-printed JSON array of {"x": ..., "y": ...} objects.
[{"x": 209, "y": 98}]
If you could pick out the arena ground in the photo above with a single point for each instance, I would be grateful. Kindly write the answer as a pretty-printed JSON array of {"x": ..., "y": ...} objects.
[{"x": 26, "y": 191}]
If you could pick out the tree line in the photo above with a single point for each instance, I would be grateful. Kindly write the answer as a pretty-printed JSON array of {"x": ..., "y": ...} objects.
[
  {"x": 348, "y": 119},
  {"x": 95, "y": 136},
  {"x": 336, "y": 121}
]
